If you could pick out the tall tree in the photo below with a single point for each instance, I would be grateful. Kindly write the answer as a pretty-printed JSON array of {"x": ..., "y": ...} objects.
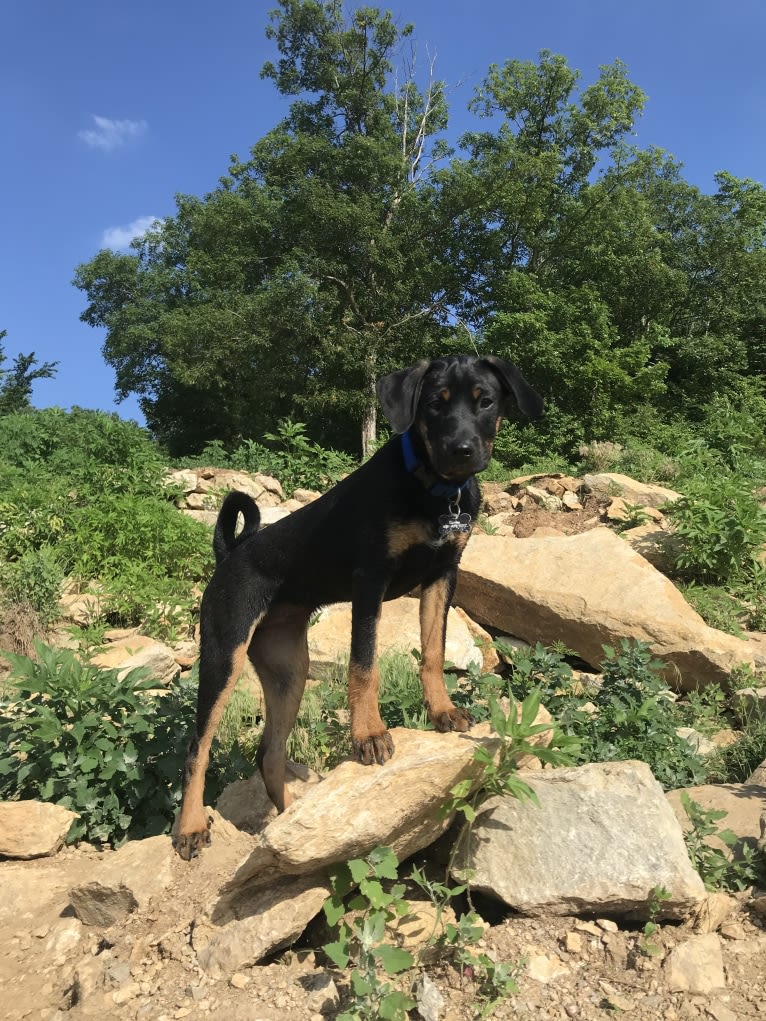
[
  {"x": 16, "y": 382},
  {"x": 310, "y": 270}
]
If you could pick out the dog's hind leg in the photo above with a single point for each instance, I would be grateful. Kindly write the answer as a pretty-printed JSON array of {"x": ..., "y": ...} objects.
[
  {"x": 279, "y": 654},
  {"x": 224, "y": 644}
]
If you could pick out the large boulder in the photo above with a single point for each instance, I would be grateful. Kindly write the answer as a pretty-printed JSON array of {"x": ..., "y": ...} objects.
[
  {"x": 600, "y": 839},
  {"x": 589, "y": 590}
]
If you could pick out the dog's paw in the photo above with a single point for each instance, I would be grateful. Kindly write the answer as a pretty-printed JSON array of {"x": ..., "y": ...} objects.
[
  {"x": 189, "y": 845},
  {"x": 376, "y": 748},
  {"x": 452, "y": 719}
]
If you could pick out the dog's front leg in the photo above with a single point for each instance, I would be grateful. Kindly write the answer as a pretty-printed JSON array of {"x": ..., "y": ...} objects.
[
  {"x": 435, "y": 601},
  {"x": 369, "y": 737}
]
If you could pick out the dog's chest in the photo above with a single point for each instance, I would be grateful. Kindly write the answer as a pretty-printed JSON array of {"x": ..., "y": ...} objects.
[{"x": 419, "y": 549}]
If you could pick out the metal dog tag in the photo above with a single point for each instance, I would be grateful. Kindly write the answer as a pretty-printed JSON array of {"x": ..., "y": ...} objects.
[{"x": 452, "y": 524}]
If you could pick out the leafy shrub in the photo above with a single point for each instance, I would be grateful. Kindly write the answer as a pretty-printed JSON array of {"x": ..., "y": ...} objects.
[
  {"x": 98, "y": 745},
  {"x": 721, "y": 528},
  {"x": 35, "y": 580},
  {"x": 294, "y": 459},
  {"x": 361, "y": 945},
  {"x": 635, "y": 716},
  {"x": 719, "y": 870},
  {"x": 74, "y": 442}
]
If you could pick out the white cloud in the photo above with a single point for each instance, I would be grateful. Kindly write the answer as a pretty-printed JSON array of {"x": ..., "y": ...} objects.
[
  {"x": 119, "y": 238},
  {"x": 110, "y": 134}
]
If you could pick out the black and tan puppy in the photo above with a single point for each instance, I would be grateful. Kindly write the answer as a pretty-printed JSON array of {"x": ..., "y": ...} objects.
[{"x": 399, "y": 521}]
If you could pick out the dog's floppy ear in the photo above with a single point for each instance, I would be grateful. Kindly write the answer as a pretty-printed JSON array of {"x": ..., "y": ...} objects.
[
  {"x": 530, "y": 402},
  {"x": 399, "y": 393}
]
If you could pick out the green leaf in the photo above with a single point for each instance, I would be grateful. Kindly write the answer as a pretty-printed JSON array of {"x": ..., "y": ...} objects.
[
  {"x": 395, "y": 1006},
  {"x": 338, "y": 953},
  {"x": 393, "y": 959}
]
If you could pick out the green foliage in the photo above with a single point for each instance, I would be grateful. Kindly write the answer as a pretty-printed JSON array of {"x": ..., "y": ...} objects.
[
  {"x": 16, "y": 383},
  {"x": 658, "y": 896},
  {"x": 632, "y": 711},
  {"x": 34, "y": 580},
  {"x": 97, "y": 744},
  {"x": 294, "y": 459},
  {"x": 719, "y": 870},
  {"x": 720, "y": 528},
  {"x": 360, "y": 947},
  {"x": 83, "y": 497}
]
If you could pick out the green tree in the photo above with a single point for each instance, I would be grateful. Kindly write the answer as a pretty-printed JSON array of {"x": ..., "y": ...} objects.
[
  {"x": 16, "y": 382},
  {"x": 310, "y": 271}
]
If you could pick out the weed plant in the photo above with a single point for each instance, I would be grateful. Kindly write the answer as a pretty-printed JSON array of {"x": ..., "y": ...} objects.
[{"x": 98, "y": 744}]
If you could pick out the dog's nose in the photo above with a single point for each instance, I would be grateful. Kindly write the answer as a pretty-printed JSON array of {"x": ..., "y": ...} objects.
[{"x": 464, "y": 451}]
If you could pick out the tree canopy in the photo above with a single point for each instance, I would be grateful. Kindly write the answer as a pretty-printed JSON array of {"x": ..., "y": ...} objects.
[
  {"x": 353, "y": 240},
  {"x": 16, "y": 382}
]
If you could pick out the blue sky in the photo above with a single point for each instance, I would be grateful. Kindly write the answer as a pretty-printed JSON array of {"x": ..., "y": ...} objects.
[{"x": 108, "y": 110}]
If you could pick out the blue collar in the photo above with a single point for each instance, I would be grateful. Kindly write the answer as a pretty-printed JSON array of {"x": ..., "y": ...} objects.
[{"x": 435, "y": 485}]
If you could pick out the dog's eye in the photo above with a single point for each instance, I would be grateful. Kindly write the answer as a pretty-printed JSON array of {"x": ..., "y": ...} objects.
[{"x": 486, "y": 402}]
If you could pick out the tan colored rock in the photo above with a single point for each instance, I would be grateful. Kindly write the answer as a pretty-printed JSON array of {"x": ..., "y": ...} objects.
[
  {"x": 271, "y": 514},
  {"x": 121, "y": 650},
  {"x": 124, "y": 881},
  {"x": 642, "y": 494},
  {"x": 696, "y": 966},
  {"x": 356, "y": 807},
  {"x": 398, "y": 631},
  {"x": 483, "y": 640},
  {"x": 208, "y": 518},
  {"x": 183, "y": 479},
  {"x": 33, "y": 829},
  {"x": 588, "y": 590},
  {"x": 306, "y": 495},
  {"x": 650, "y": 540},
  {"x": 157, "y": 660},
  {"x": 601, "y": 838},
  {"x": 201, "y": 501},
  {"x": 81, "y": 608},
  {"x": 246, "y": 805},
  {"x": 268, "y": 919},
  {"x": 711, "y": 913}
]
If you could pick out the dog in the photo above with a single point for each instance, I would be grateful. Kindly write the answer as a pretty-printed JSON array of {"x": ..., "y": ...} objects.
[{"x": 399, "y": 521}]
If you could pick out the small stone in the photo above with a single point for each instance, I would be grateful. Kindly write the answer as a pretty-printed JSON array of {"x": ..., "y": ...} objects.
[
  {"x": 126, "y": 993},
  {"x": 614, "y": 998},
  {"x": 239, "y": 981},
  {"x": 573, "y": 943},
  {"x": 607, "y": 925},
  {"x": 545, "y": 969},
  {"x": 720, "y": 1012}
]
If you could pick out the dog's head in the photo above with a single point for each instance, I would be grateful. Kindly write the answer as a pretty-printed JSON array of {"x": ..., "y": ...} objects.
[{"x": 455, "y": 407}]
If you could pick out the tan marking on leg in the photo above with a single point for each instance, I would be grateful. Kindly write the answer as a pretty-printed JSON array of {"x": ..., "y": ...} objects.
[
  {"x": 369, "y": 736},
  {"x": 433, "y": 616},
  {"x": 192, "y": 821},
  {"x": 279, "y": 654}
]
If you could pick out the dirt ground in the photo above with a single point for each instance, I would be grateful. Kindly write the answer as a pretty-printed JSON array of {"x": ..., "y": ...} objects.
[{"x": 53, "y": 968}]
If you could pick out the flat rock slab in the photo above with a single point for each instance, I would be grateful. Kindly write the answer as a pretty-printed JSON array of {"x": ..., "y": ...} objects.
[
  {"x": 589, "y": 590},
  {"x": 602, "y": 837}
]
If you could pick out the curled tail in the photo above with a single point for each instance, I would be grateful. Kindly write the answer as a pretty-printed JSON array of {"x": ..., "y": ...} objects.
[{"x": 224, "y": 538}]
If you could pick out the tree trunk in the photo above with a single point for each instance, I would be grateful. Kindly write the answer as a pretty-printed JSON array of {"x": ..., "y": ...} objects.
[{"x": 369, "y": 428}]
